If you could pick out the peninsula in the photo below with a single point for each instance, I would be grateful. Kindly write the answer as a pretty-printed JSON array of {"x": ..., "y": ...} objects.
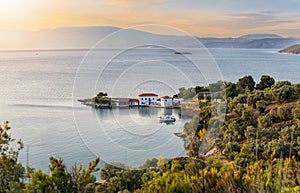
[
  {"x": 144, "y": 100},
  {"x": 295, "y": 49}
]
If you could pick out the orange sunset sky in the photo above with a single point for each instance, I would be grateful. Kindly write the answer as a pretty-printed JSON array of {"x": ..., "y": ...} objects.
[{"x": 198, "y": 17}]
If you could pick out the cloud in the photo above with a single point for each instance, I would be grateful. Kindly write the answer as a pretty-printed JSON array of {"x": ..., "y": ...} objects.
[
  {"x": 132, "y": 3},
  {"x": 258, "y": 22},
  {"x": 260, "y": 19}
]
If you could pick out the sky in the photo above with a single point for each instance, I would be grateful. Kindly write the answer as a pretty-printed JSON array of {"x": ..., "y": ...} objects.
[{"x": 203, "y": 18}]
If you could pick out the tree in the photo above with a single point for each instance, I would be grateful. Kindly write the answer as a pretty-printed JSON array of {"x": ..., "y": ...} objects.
[
  {"x": 10, "y": 170},
  {"x": 61, "y": 180},
  {"x": 280, "y": 84},
  {"x": 296, "y": 113},
  {"x": 296, "y": 90},
  {"x": 59, "y": 175},
  {"x": 149, "y": 164},
  {"x": 261, "y": 105},
  {"x": 40, "y": 182},
  {"x": 284, "y": 112},
  {"x": 231, "y": 90},
  {"x": 245, "y": 83},
  {"x": 264, "y": 121},
  {"x": 120, "y": 179},
  {"x": 255, "y": 96},
  {"x": 83, "y": 179},
  {"x": 283, "y": 94},
  {"x": 101, "y": 94},
  {"x": 186, "y": 93},
  {"x": 266, "y": 81}
]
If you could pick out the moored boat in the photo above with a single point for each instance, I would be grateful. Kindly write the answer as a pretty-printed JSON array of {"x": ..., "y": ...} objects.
[{"x": 167, "y": 119}]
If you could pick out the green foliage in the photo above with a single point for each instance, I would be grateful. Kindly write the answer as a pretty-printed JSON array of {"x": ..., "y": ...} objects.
[
  {"x": 102, "y": 99},
  {"x": 217, "y": 175},
  {"x": 187, "y": 93},
  {"x": 10, "y": 170},
  {"x": 261, "y": 105},
  {"x": 266, "y": 81},
  {"x": 256, "y": 149},
  {"x": 120, "y": 179},
  {"x": 258, "y": 146},
  {"x": 245, "y": 83},
  {"x": 101, "y": 94},
  {"x": 284, "y": 113},
  {"x": 282, "y": 94},
  {"x": 264, "y": 121},
  {"x": 296, "y": 113},
  {"x": 40, "y": 182},
  {"x": 231, "y": 90},
  {"x": 296, "y": 88},
  {"x": 149, "y": 164},
  {"x": 61, "y": 180},
  {"x": 281, "y": 84}
]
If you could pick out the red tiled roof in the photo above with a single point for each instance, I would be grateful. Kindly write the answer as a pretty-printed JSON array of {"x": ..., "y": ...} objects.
[
  {"x": 123, "y": 99},
  {"x": 134, "y": 100},
  {"x": 158, "y": 99},
  {"x": 147, "y": 94},
  {"x": 165, "y": 97}
]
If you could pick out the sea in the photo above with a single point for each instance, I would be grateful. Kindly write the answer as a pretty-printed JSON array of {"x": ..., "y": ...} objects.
[{"x": 39, "y": 92}]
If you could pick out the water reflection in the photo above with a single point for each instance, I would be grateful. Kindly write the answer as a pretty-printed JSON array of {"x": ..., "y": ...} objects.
[{"x": 143, "y": 113}]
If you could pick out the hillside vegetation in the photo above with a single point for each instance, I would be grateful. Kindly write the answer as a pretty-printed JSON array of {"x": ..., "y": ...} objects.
[{"x": 254, "y": 130}]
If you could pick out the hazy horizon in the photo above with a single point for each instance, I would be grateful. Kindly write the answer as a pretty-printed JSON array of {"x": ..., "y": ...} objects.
[
  {"x": 85, "y": 37},
  {"x": 133, "y": 27}
]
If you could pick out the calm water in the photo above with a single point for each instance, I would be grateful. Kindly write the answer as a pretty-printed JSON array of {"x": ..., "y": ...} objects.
[{"x": 39, "y": 90}]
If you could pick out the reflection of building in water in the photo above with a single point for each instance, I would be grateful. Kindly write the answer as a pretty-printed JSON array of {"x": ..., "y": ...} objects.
[
  {"x": 148, "y": 112},
  {"x": 165, "y": 111}
]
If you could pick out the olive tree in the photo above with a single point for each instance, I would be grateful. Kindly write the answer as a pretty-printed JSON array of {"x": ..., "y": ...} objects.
[{"x": 11, "y": 171}]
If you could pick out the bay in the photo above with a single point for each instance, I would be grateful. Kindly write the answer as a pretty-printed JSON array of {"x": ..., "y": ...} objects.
[{"x": 39, "y": 92}]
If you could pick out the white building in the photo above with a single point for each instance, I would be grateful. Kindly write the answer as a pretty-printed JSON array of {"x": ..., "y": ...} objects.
[
  {"x": 125, "y": 102},
  {"x": 166, "y": 101},
  {"x": 158, "y": 102},
  {"x": 134, "y": 102},
  {"x": 148, "y": 98},
  {"x": 177, "y": 101}
]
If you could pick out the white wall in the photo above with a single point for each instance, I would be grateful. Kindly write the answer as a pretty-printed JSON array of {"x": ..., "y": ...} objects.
[
  {"x": 166, "y": 102},
  {"x": 148, "y": 100}
]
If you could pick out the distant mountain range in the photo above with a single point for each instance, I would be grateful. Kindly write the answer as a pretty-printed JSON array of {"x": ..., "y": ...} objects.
[
  {"x": 87, "y": 37},
  {"x": 266, "y": 41}
]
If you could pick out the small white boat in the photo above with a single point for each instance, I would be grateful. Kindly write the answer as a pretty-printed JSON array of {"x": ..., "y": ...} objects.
[{"x": 167, "y": 119}]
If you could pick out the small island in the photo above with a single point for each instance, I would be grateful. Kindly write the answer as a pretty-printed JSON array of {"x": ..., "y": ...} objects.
[
  {"x": 182, "y": 53},
  {"x": 295, "y": 49},
  {"x": 99, "y": 101}
]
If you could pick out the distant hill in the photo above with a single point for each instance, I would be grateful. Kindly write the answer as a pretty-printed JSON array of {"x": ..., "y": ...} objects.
[
  {"x": 295, "y": 49},
  {"x": 87, "y": 37},
  {"x": 67, "y": 37},
  {"x": 256, "y": 41},
  {"x": 260, "y": 36}
]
